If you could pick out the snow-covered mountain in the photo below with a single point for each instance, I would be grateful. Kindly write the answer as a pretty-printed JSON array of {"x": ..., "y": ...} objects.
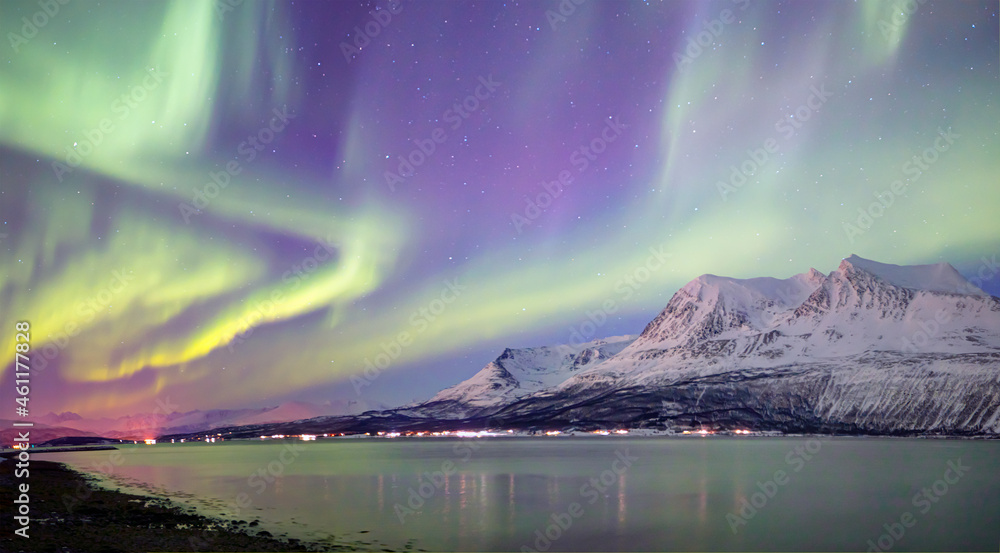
[
  {"x": 719, "y": 324},
  {"x": 518, "y": 373},
  {"x": 869, "y": 348}
]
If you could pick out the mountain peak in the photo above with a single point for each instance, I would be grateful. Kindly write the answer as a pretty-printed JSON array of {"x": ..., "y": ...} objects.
[
  {"x": 520, "y": 371},
  {"x": 937, "y": 277}
]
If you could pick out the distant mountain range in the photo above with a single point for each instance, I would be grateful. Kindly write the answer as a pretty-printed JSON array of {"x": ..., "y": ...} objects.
[
  {"x": 38, "y": 433},
  {"x": 148, "y": 425},
  {"x": 869, "y": 349}
]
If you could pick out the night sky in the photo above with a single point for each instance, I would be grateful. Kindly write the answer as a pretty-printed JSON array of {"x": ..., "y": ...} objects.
[{"x": 239, "y": 207}]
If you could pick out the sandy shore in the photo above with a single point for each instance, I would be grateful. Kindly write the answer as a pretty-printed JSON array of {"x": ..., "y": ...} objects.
[{"x": 111, "y": 521}]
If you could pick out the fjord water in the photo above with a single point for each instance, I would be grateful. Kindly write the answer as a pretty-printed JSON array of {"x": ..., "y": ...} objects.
[{"x": 635, "y": 494}]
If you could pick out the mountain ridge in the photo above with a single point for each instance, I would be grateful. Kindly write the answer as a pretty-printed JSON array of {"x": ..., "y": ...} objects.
[
  {"x": 868, "y": 349},
  {"x": 846, "y": 335}
]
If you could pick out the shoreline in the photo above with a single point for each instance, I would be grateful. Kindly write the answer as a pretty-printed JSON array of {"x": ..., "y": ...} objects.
[
  {"x": 13, "y": 453},
  {"x": 108, "y": 520}
]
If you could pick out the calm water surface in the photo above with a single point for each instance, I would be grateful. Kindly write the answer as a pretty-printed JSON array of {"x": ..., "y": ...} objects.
[{"x": 600, "y": 493}]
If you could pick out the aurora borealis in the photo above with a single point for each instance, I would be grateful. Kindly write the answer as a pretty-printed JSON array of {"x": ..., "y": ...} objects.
[{"x": 238, "y": 205}]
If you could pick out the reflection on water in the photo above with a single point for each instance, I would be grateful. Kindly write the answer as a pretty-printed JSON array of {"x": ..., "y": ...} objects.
[{"x": 569, "y": 493}]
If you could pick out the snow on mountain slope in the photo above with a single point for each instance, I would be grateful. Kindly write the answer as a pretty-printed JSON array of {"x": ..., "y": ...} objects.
[
  {"x": 869, "y": 348},
  {"x": 852, "y": 310},
  {"x": 875, "y": 346},
  {"x": 711, "y": 306},
  {"x": 519, "y": 372},
  {"x": 940, "y": 277}
]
